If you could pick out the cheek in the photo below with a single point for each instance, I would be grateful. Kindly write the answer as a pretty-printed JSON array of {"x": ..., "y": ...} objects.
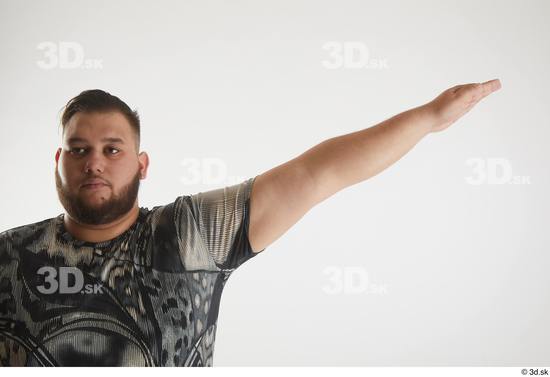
[
  {"x": 126, "y": 172},
  {"x": 121, "y": 176},
  {"x": 68, "y": 172},
  {"x": 62, "y": 171}
]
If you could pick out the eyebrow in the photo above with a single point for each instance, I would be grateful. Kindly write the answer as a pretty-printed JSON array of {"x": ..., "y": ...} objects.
[{"x": 105, "y": 139}]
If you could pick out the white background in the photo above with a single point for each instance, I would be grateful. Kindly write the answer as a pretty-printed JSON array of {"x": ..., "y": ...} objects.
[{"x": 458, "y": 273}]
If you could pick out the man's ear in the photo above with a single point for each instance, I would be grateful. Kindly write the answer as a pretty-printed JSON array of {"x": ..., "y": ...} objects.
[
  {"x": 143, "y": 160},
  {"x": 57, "y": 154}
]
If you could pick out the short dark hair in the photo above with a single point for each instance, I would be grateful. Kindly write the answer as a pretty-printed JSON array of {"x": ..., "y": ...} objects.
[{"x": 98, "y": 100}]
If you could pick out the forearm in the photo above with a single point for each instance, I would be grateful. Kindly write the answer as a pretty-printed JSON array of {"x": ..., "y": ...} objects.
[{"x": 345, "y": 160}]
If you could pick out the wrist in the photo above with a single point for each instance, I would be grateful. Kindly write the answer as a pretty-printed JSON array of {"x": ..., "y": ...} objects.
[{"x": 429, "y": 120}]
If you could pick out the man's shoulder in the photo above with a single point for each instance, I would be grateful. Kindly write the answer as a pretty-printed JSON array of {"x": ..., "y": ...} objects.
[{"x": 24, "y": 231}]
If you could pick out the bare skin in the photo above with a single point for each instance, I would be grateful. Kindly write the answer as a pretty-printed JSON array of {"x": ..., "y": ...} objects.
[
  {"x": 280, "y": 196},
  {"x": 283, "y": 195},
  {"x": 112, "y": 162}
]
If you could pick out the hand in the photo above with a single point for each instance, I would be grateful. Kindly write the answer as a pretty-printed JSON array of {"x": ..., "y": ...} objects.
[{"x": 457, "y": 101}]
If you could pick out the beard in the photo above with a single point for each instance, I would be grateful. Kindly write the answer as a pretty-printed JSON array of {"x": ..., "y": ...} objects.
[{"x": 108, "y": 211}]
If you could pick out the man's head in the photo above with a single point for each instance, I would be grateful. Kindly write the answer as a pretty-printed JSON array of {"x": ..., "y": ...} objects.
[{"x": 98, "y": 167}]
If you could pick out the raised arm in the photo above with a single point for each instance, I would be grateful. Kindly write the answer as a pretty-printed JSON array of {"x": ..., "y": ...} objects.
[{"x": 283, "y": 195}]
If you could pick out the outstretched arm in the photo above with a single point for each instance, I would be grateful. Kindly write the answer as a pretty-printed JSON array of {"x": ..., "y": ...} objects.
[{"x": 283, "y": 195}]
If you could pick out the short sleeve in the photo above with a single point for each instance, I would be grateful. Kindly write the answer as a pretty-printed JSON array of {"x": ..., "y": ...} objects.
[{"x": 223, "y": 217}]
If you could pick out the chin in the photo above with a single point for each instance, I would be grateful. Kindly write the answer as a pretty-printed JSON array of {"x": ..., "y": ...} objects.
[{"x": 95, "y": 197}]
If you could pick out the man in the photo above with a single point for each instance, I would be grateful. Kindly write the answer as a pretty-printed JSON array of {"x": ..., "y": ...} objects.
[{"x": 112, "y": 283}]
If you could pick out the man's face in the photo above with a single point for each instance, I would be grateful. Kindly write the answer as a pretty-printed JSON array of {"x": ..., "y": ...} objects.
[{"x": 98, "y": 168}]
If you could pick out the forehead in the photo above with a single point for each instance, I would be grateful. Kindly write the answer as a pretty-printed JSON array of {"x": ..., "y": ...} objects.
[{"x": 98, "y": 125}]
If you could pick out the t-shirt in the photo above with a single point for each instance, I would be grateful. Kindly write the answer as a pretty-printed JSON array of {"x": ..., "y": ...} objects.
[{"x": 149, "y": 297}]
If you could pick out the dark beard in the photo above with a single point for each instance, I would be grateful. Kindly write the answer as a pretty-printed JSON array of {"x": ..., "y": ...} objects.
[{"x": 107, "y": 212}]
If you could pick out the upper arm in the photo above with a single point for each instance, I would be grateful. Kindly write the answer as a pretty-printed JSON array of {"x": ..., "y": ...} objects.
[
  {"x": 279, "y": 198},
  {"x": 214, "y": 225}
]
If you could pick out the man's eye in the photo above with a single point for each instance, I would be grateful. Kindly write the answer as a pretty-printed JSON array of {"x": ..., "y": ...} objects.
[
  {"x": 76, "y": 150},
  {"x": 80, "y": 151}
]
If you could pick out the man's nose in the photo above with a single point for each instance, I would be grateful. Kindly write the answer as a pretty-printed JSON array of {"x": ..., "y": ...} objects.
[{"x": 94, "y": 163}]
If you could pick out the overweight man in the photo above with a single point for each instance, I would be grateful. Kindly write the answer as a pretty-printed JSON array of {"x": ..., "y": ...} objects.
[{"x": 110, "y": 283}]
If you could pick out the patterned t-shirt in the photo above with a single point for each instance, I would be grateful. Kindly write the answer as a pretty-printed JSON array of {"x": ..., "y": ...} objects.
[{"x": 149, "y": 297}]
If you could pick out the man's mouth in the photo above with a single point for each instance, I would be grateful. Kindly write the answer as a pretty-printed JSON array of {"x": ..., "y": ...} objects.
[{"x": 94, "y": 186}]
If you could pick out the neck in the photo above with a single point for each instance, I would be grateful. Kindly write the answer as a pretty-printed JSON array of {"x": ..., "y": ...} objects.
[{"x": 103, "y": 232}]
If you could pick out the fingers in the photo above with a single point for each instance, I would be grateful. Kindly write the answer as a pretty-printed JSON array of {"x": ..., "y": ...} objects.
[
  {"x": 479, "y": 91},
  {"x": 490, "y": 86},
  {"x": 486, "y": 88}
]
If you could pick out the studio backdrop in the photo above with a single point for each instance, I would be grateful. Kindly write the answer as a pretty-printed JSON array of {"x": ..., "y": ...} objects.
[{"x": 440, "y": 260}]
